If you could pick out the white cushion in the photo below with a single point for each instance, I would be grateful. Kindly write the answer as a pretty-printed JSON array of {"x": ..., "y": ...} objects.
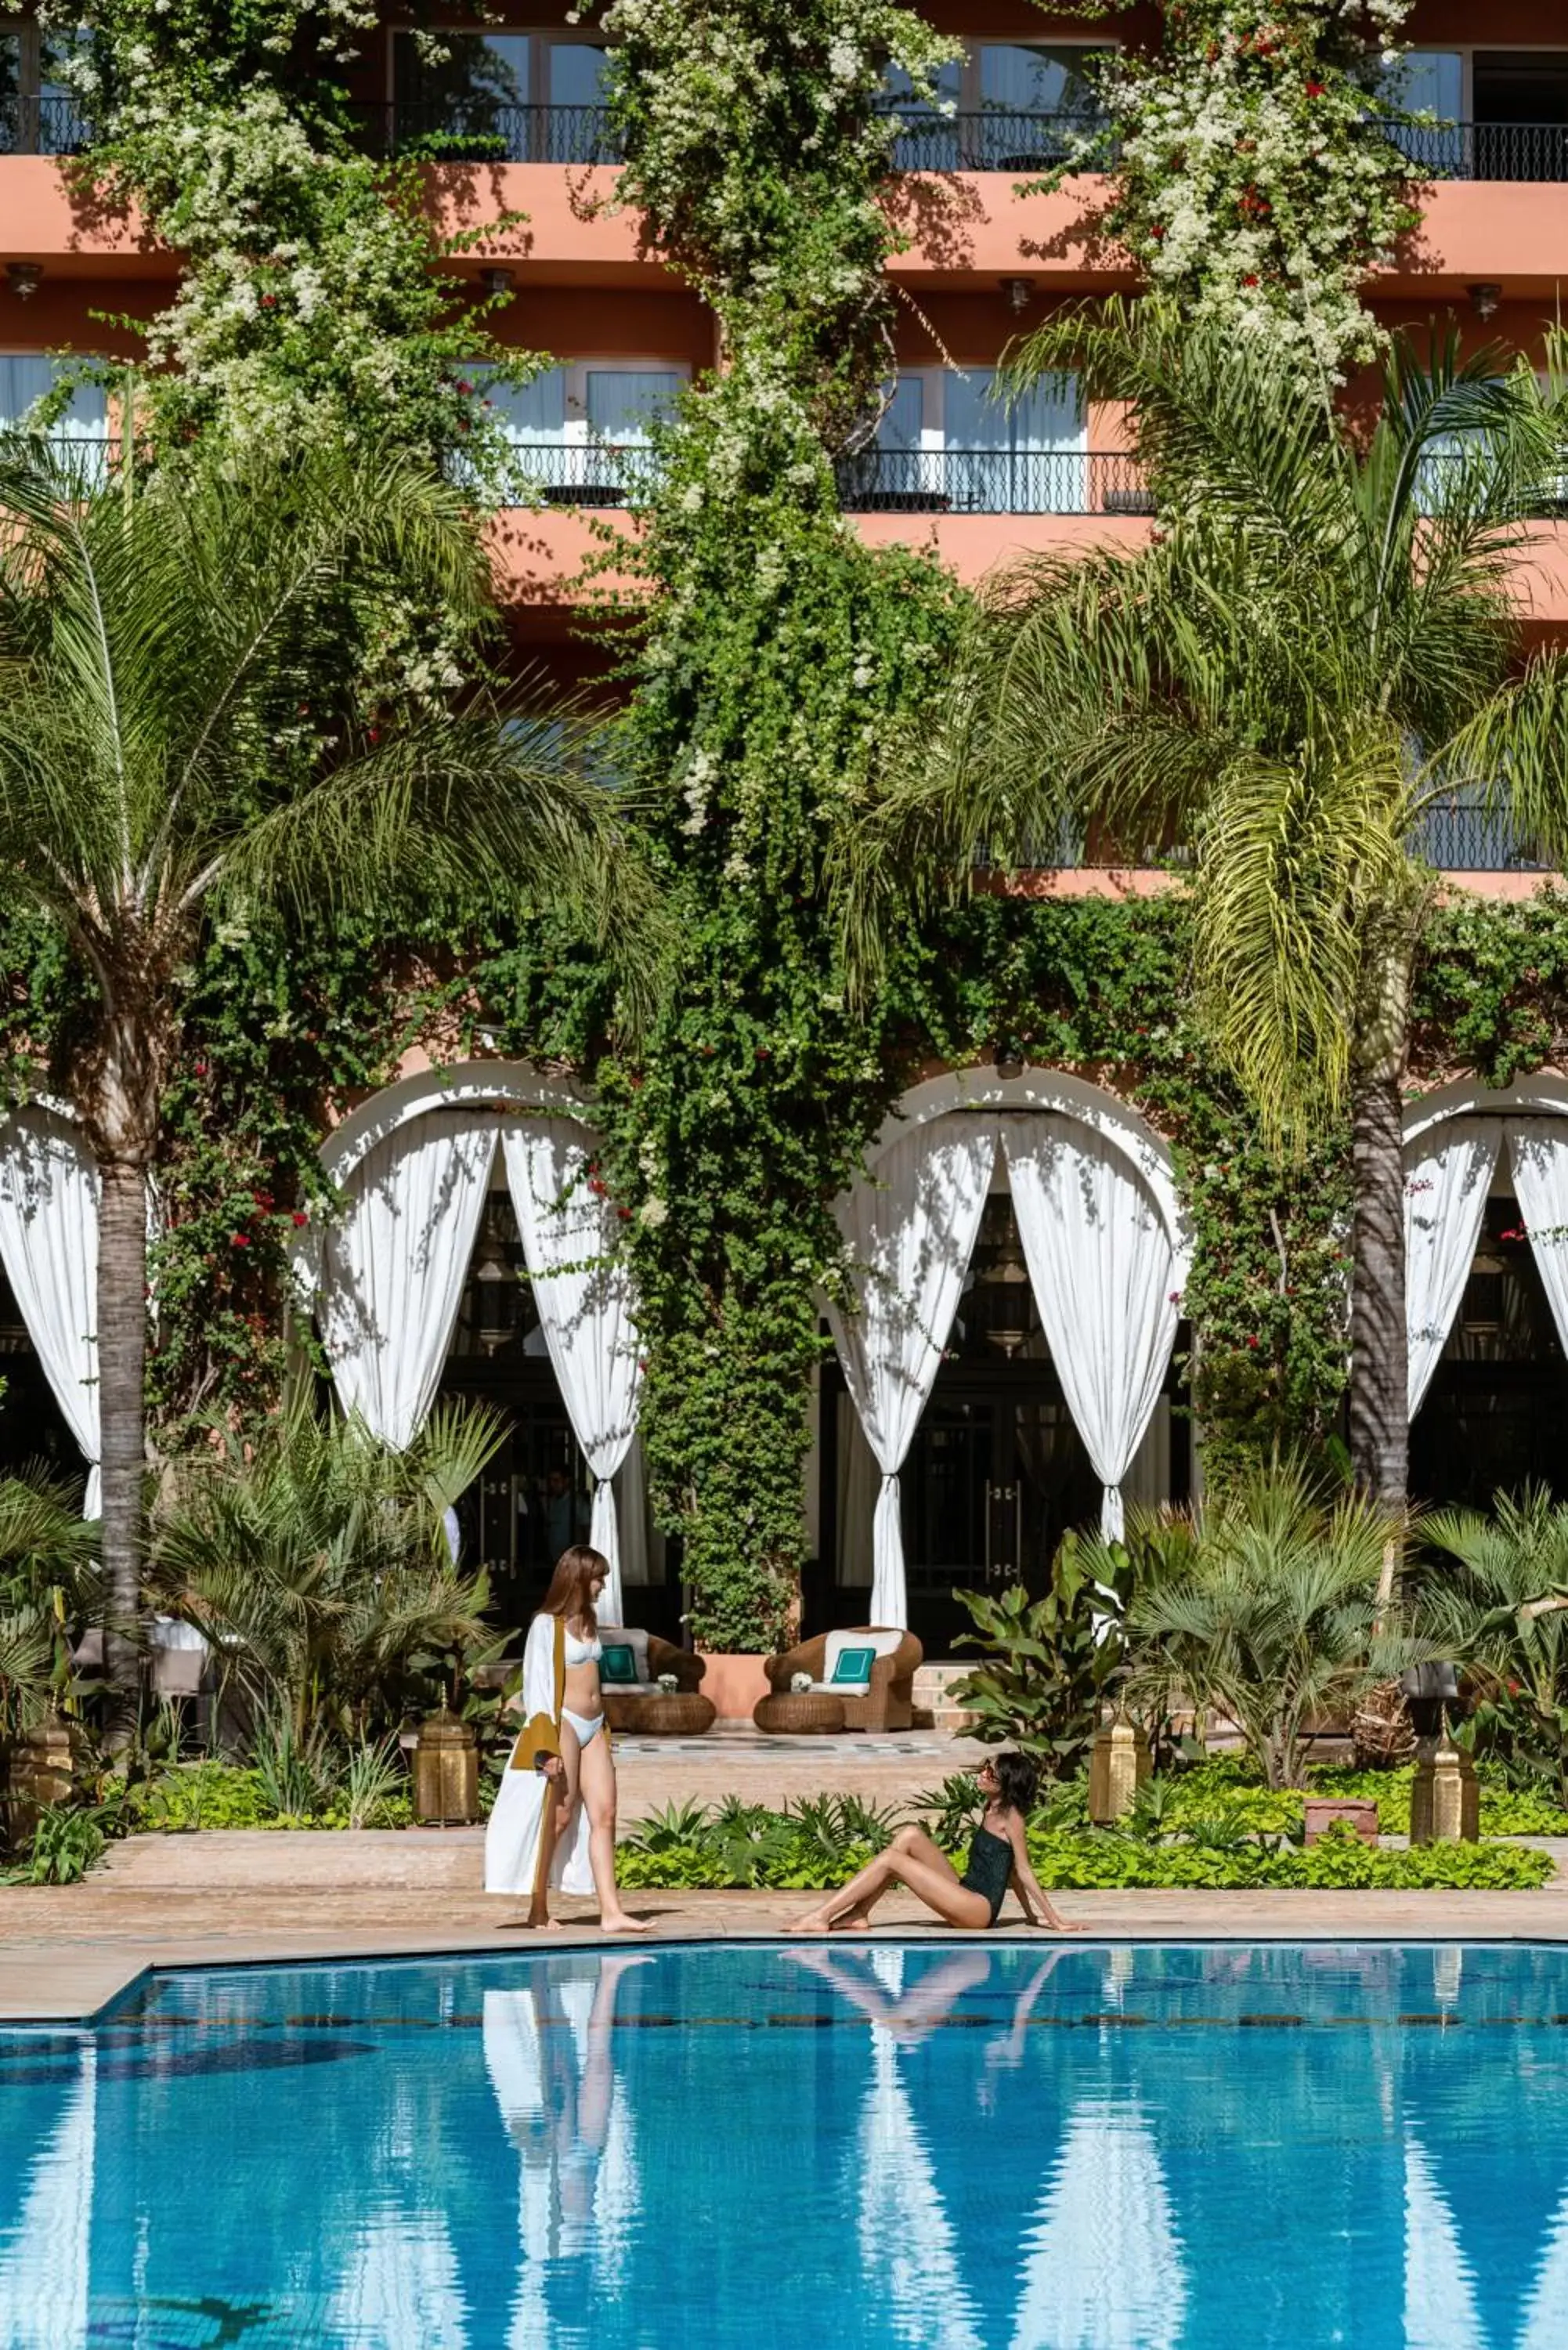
[
  {"x": 841, "y": 1688},
  {"x": 883, "y": 1640}
]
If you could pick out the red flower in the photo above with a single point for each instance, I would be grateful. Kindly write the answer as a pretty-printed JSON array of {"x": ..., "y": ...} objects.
[
  {"x": 1253, "y": 1342},
  {"x": 299, "y": 1217},
  {"x": 200, "y": 1067},
  {"x": 269, "y": 301},
  {"x": 625, "y": 1215},
  {"x": 1317, "y": 89},
  {"x": 239, "y": 1240},
  {"x": 1155, "y": 230},
  {"x": 763, "y": 1053},
  {"x": 1251, "y": 279},
  {"x": 1175, "y": 1297},
  {"x": 1514, "y": 1689},
  {"x": 264, "y": 1201}
]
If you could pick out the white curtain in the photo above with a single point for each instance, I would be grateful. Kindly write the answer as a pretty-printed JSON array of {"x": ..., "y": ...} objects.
[
  {"x": 909, "y": 1229},
  {"x": 1105, "y": 1272},
  {"x": 48, "y": 1245},
  {"x": 637, "y": 1561},
  {"x": 1539, "y": 1152},
  {"x": 1447, "y": 1174},
  {"x": 583, "y": 1291},
  {"x": 392, "y": 1269}
]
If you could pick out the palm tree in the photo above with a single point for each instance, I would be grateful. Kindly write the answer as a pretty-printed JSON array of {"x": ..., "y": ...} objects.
[
  {"x": 1268, "y": 1614},
  {"x": 314, "y": 1563},
  {"x": 1500, "y": 1604},
  {"x": 1318, "y": 645},
  {"x": 181, "y": 719}
]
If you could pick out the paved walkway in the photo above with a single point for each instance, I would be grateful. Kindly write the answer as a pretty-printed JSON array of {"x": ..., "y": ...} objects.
[{"x": 227, "y": 1897}]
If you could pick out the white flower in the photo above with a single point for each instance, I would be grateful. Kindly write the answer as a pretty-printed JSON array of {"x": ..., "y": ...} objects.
[{"x": 655, "y": 1213}]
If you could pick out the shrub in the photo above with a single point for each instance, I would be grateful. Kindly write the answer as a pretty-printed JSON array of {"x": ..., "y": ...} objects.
[{"x": 1049, "y": 1661}]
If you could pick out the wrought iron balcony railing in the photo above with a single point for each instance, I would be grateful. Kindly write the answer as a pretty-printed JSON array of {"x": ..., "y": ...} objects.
[
  {"x": 1000, "y": 138},
  {"x": 484, "y": 131},
  {"x": 53, "y": 124},
  {"x": 992, "y": 481},
  {"x": 1483, "y": 151},
  {"x": 1462, "y": 835}
]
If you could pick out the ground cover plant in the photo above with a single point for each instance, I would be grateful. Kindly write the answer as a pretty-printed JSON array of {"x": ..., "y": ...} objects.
[{"x": 1214, "y": 1826}]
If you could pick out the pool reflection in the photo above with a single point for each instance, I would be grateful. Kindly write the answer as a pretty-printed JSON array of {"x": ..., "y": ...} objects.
[{"x": 974, "y": 2146}]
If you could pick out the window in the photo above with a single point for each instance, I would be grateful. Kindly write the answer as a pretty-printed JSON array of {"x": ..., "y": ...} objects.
[
  {"x": 1430, "y": 81},
  {"x": 81, "y": 432},
  {"x": 946, "y": 444},
  {"x": 534, "y": 97},
  {"x": 571, "y": 425},
  {"x": 1006, "y": 107},
  {"x": 38, "y": 115}
]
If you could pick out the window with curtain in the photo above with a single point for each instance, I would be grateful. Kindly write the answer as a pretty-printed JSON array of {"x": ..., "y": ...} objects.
[
  {"x": 1025, "y": 455},
  {"x": 533, "y": 416},
  {"x": 622, "y": 400},
  {"x": 25, "y": 377},
  {"x": 1430, "y": 81}
]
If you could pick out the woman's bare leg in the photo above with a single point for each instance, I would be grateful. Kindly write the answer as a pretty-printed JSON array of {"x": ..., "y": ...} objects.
[
  {"x": 599, "y": 1796},
  {"x": 914, "y": 1861}
]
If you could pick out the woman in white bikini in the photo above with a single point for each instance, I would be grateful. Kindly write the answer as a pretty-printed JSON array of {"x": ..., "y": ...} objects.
[{"x": 553, "y": 1818}]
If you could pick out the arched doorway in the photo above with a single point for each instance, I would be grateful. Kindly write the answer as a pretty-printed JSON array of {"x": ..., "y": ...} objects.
[
  {"x": 471, "y": 1261},
  {"x": 1043, "y": 1399},
  {"x": 1487, "y": 1282}
]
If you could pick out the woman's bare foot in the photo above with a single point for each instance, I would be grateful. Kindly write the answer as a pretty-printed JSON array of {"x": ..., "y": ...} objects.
[
  {"x": 814, "y": 1921},
  {"x": 620, "y": 1921},
  {"x": 541, "y": 1922}
]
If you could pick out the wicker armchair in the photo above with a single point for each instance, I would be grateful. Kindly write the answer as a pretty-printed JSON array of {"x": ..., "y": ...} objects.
[
  {"x": 622, "y": 1699},
  {"x": 888, "y": 1703}
]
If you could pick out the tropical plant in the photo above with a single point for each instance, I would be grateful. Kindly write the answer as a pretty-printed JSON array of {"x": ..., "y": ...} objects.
[
  {"x": 1500, "y": 1608},
  {"x": 1317, "y": 647},
  {"x": 50, "y": 1588},
  {"x": 1049, "y": 1662},
  {"x": 1271, "y": 1616},
  {"x": 156, "y": 755},
  {"x": 315, "y": 1564}
]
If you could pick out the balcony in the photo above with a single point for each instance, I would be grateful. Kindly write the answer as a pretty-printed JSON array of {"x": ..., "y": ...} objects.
[
  {"x": 1484, "y": 150},
  {"x": 48, "y": 124},
  {"x": 992, "y": 482},
  {"x": 489, "y": 131},
  {"x": 1002, "y": 138}
]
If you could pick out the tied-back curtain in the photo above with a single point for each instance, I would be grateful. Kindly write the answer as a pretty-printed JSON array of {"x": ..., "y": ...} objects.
[
  {"x": 1447, "y": 1175},
  {"x": 48, "y": 1245},
  {"x": 583, "y": 1291},
  {"x": 909, "y": 1228},
  {"x": 1539, "y": 1147},
  {"x": 392, "y": 1269},
  {"x": 1105, "y": 1272}
]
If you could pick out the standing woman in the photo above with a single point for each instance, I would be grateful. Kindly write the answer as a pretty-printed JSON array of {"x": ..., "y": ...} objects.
[{"x": 553, "y": 1820}]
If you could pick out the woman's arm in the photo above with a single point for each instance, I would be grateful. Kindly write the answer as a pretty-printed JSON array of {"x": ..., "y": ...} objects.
[{"x": 1027, "y": 1886}]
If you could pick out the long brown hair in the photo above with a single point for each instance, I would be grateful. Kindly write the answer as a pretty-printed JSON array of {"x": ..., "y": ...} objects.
[{"x": 568, "y": 1594}]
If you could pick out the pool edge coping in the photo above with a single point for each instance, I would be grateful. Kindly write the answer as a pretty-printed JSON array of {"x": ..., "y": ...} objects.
[{"x": 148, "y": 1968}]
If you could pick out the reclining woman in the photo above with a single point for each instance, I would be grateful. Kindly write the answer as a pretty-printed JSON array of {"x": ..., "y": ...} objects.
[{"x": 998, "y": 1859}]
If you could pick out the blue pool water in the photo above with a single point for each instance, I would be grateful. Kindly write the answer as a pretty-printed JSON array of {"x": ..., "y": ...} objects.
[{"x": 1046, "y": 2147}]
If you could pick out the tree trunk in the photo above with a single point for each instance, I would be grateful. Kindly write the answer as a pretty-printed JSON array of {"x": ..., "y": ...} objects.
[
  {"x": 1379, "y": 1350},
  {"x": 1379, "y": 1423},
  {"x": 121, "y": 1403},
  {"x": 122, "y": 1085}
]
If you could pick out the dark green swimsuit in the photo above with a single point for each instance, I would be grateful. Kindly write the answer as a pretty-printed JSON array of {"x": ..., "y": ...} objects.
[{"x": 990, "y": 1868}]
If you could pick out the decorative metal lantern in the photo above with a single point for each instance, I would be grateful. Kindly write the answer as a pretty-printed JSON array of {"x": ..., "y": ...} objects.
[
  {"x": 1445, "y": 1795},
  {"x": 1119, "y": 1763},
  {"x": 446, "y": 1773}
]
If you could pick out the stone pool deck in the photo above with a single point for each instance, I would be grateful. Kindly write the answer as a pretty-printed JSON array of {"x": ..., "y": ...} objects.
[{"x": 230, "y": 1897}]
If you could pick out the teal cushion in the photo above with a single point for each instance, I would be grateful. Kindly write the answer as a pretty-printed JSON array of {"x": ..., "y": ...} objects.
[
  {"x": 618, "y": 1662},
  {"x": 852, "y": 1664}
]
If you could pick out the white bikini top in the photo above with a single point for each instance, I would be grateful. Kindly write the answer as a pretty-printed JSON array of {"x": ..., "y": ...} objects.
[{"x": 582, "y": 1652}]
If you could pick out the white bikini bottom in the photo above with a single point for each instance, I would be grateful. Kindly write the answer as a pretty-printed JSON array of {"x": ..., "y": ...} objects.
[{"x": 586, "y": 1725}]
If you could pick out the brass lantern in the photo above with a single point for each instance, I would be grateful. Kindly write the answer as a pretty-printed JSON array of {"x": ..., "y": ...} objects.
[{"x": 446, "y": 1773}]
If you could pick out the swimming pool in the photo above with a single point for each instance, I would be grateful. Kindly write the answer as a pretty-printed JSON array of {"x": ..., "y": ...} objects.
[{"x": 961, "y": 2147}]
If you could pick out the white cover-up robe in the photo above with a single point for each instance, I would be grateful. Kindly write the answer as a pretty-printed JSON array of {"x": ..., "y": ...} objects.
[{"x": 512, "y": 1838}]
